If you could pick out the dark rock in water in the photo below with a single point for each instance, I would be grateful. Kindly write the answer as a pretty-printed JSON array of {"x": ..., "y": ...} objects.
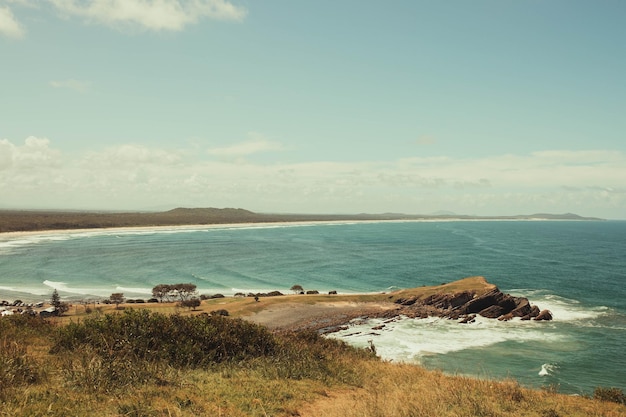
[
  {"x": 534, "y": 312},
  {"x": 506, "y": 317},
  {"x": 544, "y": 315},
  {"x": 468, "y": 319},
  {"x": 522, "y": 308},
  {"x": 378, "y": 327},
  {"x": 492, "y": 312}
]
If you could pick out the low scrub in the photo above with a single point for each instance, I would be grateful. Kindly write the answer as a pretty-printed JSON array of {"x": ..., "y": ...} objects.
[
  {"x": 140, "y": 363},
  {"x": 179, "y": 341},
  {"x": 615, "y": 395},
  {"x": 18, "y": 367}
]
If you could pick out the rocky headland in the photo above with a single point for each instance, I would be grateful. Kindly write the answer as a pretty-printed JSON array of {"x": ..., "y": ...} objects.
[
  {"x": 465, "y": 305},
  {"x": 461, "y": 300}
]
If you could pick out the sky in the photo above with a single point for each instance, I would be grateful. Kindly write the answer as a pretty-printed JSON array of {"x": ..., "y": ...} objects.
[{"x": 483, "y": 107}]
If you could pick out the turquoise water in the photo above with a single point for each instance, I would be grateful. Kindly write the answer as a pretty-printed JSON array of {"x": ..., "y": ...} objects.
[{"x": 576, "y": 269}]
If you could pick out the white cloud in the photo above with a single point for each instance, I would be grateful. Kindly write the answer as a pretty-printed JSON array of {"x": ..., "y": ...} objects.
[
  {"x": 150, "y": 14},
  {"x": 135, "y": 176},
  {"x": 256, "y": 144},
  {"x": 79, "y": 86},
  {"x": 9, "y": 26},
  {"x": 35, "y": 153}
]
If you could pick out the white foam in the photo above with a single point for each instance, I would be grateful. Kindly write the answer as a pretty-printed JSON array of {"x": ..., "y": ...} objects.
[
  {"x": 8, "y": 246},
  {"x": 57, "y": 285},
  {"x": 407, "y": 339},
  {"x": 64, "y": 287},
  {"x": 547, "y": 369},
  {"x": 136, "y": 290},
  {"x": 564, "y": 309}
]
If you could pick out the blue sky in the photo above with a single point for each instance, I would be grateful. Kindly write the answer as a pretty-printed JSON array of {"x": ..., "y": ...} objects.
[{"x": 476, "y": 107}]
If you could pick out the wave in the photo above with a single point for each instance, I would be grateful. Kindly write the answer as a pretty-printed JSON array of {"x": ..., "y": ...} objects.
[
  {"x": 409, "y": 340},
  {"x": 562, "y": 308},
  {"x": 63, "y": 287},
  {"x": 565, "y": 309},
  {"x": 9, "y": 246},
  {"x": 548, "y": 369},
  {"x": 126, "y": 290}
]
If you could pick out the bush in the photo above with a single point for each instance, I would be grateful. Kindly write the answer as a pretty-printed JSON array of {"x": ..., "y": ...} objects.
[
  {"x": 17, "y": 367},
  {"x": 615, "y": 395},
  {"x": 211, "y": 297},
  {"x": 182, "y": 342},
  {"x": 220, "y": 312},
  {"x": 191, "y": 303},
  {"x": 94, "y": 373}
]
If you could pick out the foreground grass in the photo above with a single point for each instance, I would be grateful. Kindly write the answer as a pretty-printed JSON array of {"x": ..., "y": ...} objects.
[{"x": 139, "y": 363}]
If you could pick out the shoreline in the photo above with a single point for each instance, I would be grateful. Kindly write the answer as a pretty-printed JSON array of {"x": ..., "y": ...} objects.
[{"x": 257, "y": 224}]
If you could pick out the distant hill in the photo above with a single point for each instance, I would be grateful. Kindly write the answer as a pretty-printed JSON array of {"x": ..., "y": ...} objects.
[{"x": 31, "y": 220}]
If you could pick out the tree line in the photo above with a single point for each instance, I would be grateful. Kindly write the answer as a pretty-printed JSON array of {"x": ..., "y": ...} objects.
[{"x": 186, "y": 294}]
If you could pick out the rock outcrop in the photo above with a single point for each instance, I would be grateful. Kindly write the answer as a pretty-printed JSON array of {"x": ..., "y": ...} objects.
[{"x": 465, "y": 305}]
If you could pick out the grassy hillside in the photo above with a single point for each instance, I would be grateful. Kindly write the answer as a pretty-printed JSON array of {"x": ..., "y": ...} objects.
[{"x": 171, "y": 362}]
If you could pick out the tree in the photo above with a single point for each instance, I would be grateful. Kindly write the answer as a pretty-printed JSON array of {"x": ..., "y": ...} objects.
[
  {"x": 162, "y": 291},
  {"x": 117, "y": 298},
  {"x": 168, "y": 291},
  {"x": 56, "y": 299},
  {"x": 184, "y": 291},
  {"x": 297, "y": 289},
  {"x": 59, "y": 306}
]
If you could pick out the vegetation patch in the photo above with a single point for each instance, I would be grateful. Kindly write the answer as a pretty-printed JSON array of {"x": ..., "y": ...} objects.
[{"x": 179, "y": 341}]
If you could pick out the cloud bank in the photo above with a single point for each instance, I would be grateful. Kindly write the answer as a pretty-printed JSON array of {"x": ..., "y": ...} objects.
[
  {"x": 9, "y": 26},
  {"x": 152, "y": 15},
  {"x": 134, "y": 176}
]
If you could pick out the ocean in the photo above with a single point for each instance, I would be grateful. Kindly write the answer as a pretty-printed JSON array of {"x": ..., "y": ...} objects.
[{"x": 576, "y": 269}]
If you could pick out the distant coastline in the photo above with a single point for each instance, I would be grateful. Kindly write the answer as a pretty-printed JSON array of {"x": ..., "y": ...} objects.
[{"x": 49, "y": 220}]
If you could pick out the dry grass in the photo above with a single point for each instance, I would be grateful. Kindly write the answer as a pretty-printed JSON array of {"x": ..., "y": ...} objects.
[
  {"x": 410, "y": 391},
  {"x": 322, "y": 381}
]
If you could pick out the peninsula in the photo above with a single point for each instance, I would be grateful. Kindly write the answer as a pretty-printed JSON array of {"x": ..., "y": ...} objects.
[{"x": 36, "y": 220}]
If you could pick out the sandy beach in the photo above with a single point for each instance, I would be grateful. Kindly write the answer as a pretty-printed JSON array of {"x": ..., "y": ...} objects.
[{"x": 6, "y": 236}]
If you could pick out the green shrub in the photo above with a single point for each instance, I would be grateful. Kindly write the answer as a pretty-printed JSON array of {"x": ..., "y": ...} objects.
[
  {"x": 91, "y": 372},
  {"x": 180, "y": 341},
  {"x": 615, "y": 395}
]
